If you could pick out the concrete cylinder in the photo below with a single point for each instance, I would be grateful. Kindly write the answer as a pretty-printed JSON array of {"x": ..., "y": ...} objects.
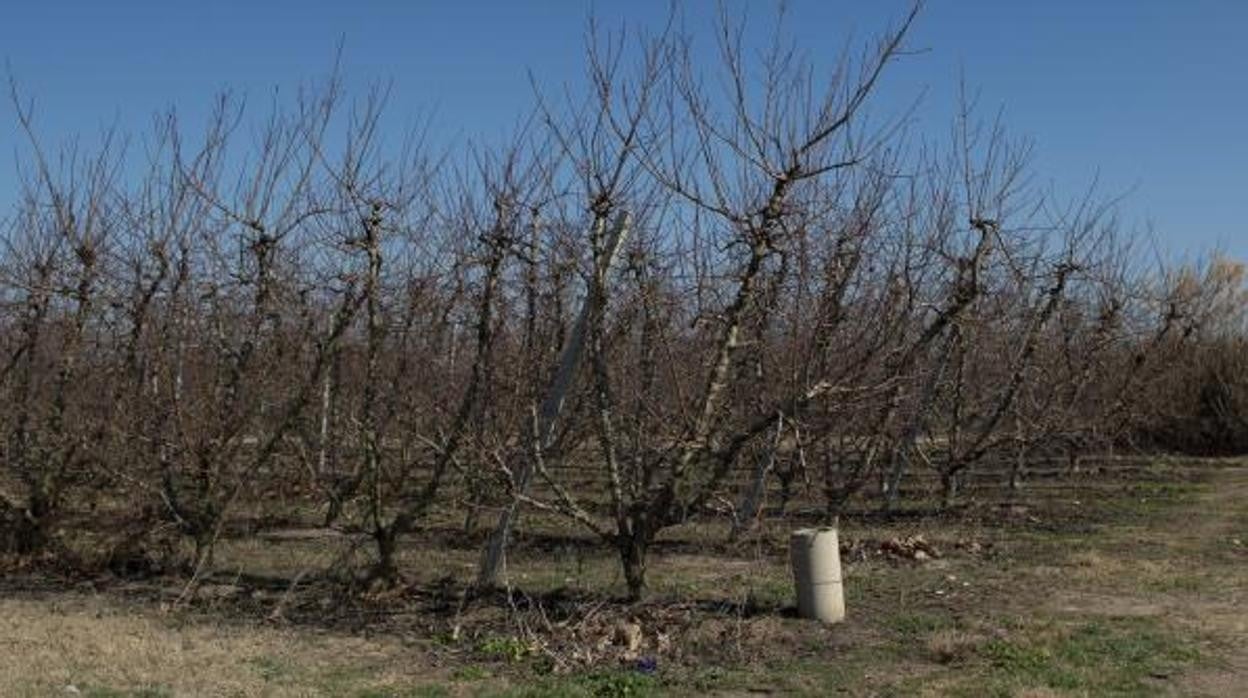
[{"x": 816, "y": 557}]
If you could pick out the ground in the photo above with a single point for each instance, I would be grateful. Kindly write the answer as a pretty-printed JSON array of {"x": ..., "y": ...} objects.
[{"x": 1127, "y": 583}]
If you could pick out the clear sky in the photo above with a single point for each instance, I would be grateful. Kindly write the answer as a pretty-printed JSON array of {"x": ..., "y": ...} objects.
[{"x": 1148, "y": 97}]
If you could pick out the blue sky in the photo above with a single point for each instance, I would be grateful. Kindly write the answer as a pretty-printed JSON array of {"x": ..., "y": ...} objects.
[{"x": 1147, "y": 97}]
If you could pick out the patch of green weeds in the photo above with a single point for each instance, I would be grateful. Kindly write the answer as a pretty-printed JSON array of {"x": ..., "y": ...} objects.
[
  {"x": 919, "y": 624},
  {"x": 619, "y": 684},
  {"x": 601, "y": 684},
  {"x": 471, "y": 672},
  {"x": 336, "y": 680},
  {"x": 271, "y": 669},
  {"x": 1112, "y": 657},
  {"x": 771, "y": 591},
  {"x": 1031, "y": 665},
  {"x": 507, "y": 647}
]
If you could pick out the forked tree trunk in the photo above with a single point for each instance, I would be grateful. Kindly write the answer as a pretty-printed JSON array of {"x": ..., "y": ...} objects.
[
  {"x": 633, "y": 550},
  {"x": 552, "y": 406}
]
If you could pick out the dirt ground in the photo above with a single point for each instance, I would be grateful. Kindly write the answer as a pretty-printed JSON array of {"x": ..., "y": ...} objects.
[{"x": 1132, "y": 584}]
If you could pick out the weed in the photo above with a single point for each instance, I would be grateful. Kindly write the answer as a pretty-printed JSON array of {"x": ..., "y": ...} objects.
[
  {"x": 271, "y": 669},
  {"x": 508, "y": 647},
  {"x": 914, "y": 625},
  {"x": 470, "y": 673},
  {"x": 619, "y": 684}
]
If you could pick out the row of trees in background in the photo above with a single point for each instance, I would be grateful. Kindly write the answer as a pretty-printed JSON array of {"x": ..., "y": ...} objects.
[{"x": 655, "y": 303}]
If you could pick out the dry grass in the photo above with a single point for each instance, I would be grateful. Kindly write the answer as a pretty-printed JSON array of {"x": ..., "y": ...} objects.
[
  {"x": 1138, "y": 595},
  {"x": 103, "y": 648},
  {"x": 952, "y": 646}
]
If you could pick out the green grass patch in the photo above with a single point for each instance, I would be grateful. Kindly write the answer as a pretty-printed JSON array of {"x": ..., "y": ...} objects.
[
  {"x": 1112, "y": 657},
  {"x": 915, "y": 625},
  {"x": 505, "y": 647},
  {"x": 471, "y": 672},
  {"x": 271, "y": 669},
  {"x": 431, "y": 691},
  {"x": 600, "y": 684}
]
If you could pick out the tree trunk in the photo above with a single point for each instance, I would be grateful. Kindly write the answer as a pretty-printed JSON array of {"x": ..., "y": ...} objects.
[
  {"x": 1072, "y": 461},
  {"x": 385, "y": 571},
  {"x": 470, "y": 516},
  {"x": 21, "y": 532},
  {"x": 494, "y": 553},
  {"x": 948, "y": 488},
  {"x": 633, "y": 549},
  {"x": 751, "y": 504},
  {"x": 333, "y": 509},
  {"x": 786, "y": 478},
  {"x": 204, "y": 545},
  {"x": 1016, "y": 472},
  {"x": 890, "y": 480}
]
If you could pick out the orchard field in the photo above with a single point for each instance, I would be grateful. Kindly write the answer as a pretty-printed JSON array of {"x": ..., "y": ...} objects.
[{"x": 296, "y": 403}]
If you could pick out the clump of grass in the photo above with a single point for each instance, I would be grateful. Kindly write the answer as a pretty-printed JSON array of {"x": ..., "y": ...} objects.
[
  {"x": 620, "y": 684},
  {"x": 470, "y": 672},
  {"x": 917, "y": 624},
  {"x": 270, "y": 669},
  {"x": 600, "y": 684},
  {"x": 508, "y": 647},
  {"x": 1028, "y": 664},
  {"x": 1113, "y": 657},
  {"x": 952, "y": 646}
]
